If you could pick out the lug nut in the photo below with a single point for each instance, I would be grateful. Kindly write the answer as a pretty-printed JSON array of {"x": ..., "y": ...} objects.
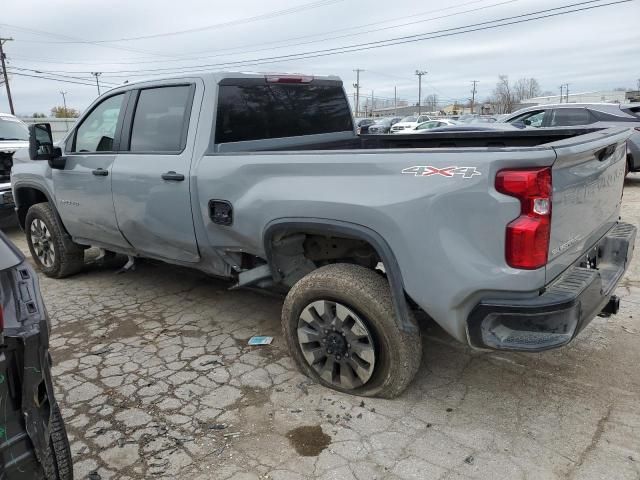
[{"x": 338, "y": 357}]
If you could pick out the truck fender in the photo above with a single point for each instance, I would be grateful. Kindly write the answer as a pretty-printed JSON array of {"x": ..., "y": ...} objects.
[
  {"x": 322, "y": 226},
  {"x": 22, "y": 213}
]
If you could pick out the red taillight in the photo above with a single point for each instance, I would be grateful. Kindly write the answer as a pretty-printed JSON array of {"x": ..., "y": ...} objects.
[
  {"x": 288, "y": 78},
  {"x": 527, "y": 240}
]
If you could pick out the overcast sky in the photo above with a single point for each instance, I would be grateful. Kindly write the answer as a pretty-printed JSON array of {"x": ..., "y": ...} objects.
[{"x": 591, "y": 50}]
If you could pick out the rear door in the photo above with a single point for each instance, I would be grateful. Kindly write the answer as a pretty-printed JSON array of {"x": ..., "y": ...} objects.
[
  {"x": 83, "y": 188},
  {"x": 588, "y": 177},
  {"x": 151, "y": 174}
]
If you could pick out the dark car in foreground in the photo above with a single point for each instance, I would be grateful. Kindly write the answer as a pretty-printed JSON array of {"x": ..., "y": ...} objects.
[
  {"x": 363, "y": 124},
  {"x": 383, "y": 125},
  {"x": 34, "y": 443},
  {"x": 599, "y": 115}
]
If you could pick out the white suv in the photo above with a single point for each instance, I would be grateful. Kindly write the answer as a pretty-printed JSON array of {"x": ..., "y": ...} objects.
[{"x": 407, "y": 123}]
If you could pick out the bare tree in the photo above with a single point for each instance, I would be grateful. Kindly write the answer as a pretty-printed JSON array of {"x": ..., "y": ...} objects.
[
  {"x": 503, "y": 95},
  {"x": 431, "y": 102},
  {"x": 526, "y": 88}
]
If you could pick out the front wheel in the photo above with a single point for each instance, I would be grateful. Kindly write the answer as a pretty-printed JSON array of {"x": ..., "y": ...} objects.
[
  {"x": 52, "y": 250},
  {"x": 340, "y": 327}
]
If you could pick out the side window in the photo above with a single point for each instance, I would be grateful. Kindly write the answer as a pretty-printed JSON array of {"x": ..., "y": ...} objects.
[
  {"x": 160, "y": 122},
  {"x": 563, "y": 117},
  {"x": 531, "y": 119},
  {"x": 97, "y": 131}
]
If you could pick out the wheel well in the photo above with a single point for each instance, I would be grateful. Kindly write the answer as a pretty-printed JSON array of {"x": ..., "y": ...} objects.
[
  {"x": 294, "y": 247},
  {"x": 295, "y": 254},
  {"x": 25, "y": 197}
]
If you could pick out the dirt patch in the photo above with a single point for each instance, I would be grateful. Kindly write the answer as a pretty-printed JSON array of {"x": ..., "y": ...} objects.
[{"x": 309, "y": 441}]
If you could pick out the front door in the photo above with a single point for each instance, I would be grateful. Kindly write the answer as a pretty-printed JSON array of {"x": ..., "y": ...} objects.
[
  {"x": 151, "y": 172},
  {"x": 83, "y": 188}
]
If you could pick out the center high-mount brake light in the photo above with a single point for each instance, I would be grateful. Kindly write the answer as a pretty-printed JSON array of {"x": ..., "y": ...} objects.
[
  {"x": 289, "y": 78},
  {"x": 527, "y": 238}
]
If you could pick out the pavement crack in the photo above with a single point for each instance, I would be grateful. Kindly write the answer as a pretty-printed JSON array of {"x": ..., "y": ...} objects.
[{"x": 597, "y": 434}]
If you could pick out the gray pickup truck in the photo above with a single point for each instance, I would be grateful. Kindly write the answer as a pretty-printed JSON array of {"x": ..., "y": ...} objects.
[{"x": 509, "y": 240}]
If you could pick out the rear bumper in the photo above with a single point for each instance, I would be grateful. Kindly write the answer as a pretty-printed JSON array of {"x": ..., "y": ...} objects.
[{"x": 566, "y": 306}]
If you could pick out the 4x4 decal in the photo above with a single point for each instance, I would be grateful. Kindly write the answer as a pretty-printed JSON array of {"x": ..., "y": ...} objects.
[{"x": 428, "y": 170}]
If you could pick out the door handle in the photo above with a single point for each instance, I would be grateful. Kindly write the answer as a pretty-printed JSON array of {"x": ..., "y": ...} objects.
[
  {"x": 173, "y": 176},
  {"x": 100, "y": 172}
]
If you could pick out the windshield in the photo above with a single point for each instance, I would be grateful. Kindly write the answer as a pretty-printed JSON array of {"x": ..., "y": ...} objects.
[
  {"x": 383, "y": 121},
  {"x": 13, "y": 129},
  {"x": 409, "y": 119}
]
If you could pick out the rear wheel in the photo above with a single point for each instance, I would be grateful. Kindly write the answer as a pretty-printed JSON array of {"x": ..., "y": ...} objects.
[
  {"x": 339, "y": 323},
  {"x": 52, "y": 250}
]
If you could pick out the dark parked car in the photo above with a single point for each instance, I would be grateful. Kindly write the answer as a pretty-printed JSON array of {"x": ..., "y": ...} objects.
[
  {"x": 598, "y": 115},
  {"x": 363, "y": 124},
  {"x": 383, "y": 125},
  {"x": 34, "y": 440}
]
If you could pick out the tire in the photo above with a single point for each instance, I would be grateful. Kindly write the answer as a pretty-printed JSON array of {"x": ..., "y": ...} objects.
[
  {"x": 60, "y": 446},
  {"x": 64, "y": 257},
  {"x": 366, "y": 294}
]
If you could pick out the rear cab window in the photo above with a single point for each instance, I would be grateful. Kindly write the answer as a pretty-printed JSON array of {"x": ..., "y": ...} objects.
[{"x": 255, "y": 109}]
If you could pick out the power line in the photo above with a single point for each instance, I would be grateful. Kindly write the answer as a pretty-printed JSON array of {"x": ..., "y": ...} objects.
[
  {"x": 264, "y": 16},
  {"x": 233, "y": 50},
  {"x": 51, "y": 78},
  {"x": 488, "y": 25},
  {"x": 77, "y": 40},
  {"x": 13, "y": 67}
]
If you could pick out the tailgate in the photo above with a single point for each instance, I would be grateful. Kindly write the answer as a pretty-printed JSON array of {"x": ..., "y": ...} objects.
[{"x": 588, "y": 177}]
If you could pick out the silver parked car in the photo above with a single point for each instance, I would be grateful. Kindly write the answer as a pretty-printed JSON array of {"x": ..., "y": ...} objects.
[{"x": 592, "y": 114}]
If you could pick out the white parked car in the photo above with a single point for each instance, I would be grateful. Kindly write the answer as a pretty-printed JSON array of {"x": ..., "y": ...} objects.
[
  {"x": 408, "y": 123},
  {"x": 14, "y": 135},
  {"x": 426, "y": 126}
]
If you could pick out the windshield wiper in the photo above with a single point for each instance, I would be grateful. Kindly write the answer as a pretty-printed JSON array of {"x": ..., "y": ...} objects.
[{"x": 19, "y": 139}]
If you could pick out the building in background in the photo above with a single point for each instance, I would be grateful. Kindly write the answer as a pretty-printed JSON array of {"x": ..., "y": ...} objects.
[{"x": 605, "y": 96}]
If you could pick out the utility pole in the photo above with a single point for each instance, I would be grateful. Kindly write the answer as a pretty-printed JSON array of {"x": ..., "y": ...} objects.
[
  {"x": 420, "y": 73},
  {"x": 357, "y": 87},
  {"x": 395, "y": 99},
  {"x": 97, "y": 74},
  {"x": 372, "y": 103},
  {"x": 473, "y": 95},
  {"x": 567, "y": 91},
  {"x": 66, "y": 113},
  {"x": 561, "y": 92},
  {"x": 4, "y": 73}
]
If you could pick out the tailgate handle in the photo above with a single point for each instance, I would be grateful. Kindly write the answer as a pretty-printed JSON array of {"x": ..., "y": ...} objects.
[{"x": 605, "y": 152}]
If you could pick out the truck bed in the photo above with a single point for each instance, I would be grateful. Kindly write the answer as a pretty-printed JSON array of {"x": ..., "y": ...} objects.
[{"x": 448, "y": 139}]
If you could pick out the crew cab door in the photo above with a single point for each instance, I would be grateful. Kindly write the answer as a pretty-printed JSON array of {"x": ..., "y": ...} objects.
[
  {"x": 83, "y": 188},
  {"x": 151, "y": 177}
]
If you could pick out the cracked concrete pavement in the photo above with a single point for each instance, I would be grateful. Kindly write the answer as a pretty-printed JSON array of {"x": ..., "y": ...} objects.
[{"x": 156, "y": 380}]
